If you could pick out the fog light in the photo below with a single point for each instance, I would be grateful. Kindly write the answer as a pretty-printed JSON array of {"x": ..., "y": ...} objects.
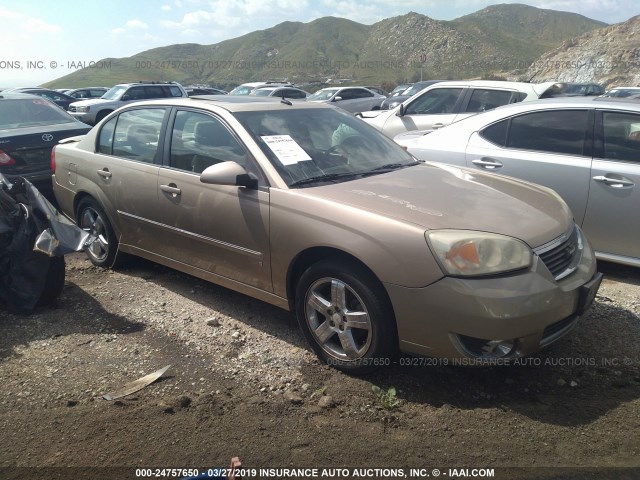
[
  {"x": 498, "y": 348},
  {"x": 482, "y": 348}
]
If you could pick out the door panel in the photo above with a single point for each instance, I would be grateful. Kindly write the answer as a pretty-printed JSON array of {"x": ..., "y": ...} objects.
[
  {"x": 433, "y": 109},
  {"x": 566, "y": 174},
  {"x": 612, "y": 223},
  {"x": 126, "y": 171},
  {"x": 545, "y": 147},
  {"x": 218, "y": 228}
]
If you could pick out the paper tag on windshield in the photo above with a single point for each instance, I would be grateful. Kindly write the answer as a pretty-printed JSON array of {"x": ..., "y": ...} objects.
[{"x": 286, "y": 149}]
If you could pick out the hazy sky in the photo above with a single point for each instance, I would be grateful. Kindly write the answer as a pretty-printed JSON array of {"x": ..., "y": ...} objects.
[{"x": 50, "y": 35}]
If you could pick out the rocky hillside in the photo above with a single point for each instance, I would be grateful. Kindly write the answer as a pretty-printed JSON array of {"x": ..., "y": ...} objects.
[
  {"x": 498, "y": 38},
  {"x": 609, "y": 55}
]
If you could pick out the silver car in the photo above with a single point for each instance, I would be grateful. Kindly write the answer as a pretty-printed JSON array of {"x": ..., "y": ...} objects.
[
  {"x": 308, "y": 208},
  {"x": 587, "y": 150},
  {"x": 443, "y": 103},
  {"x": 351, "y": 99}
]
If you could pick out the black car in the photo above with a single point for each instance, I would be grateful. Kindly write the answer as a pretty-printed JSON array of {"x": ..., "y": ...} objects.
[
  {"x": 88, "y": 92},
  {"x": 61, "y": 99},
  {"x": 394, "y": 100},
  {"x": 29, "y": 128},
  {"x": 563, "y": 89}
]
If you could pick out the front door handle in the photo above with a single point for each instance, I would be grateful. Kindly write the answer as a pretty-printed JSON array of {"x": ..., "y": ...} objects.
[
  {"x": 172, "y": 188},
  {"x": 487, "y": 163},
  {"x": 614, "y": 182},
  {"x": 436, "y": 126},
  {"x": 105, "y": 173}
]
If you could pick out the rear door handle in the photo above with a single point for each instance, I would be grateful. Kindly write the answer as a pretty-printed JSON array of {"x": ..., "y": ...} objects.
[
  {"x": 172, "y": 188},
  {"x": 614, "y": 182},
  {"x": 487, "y": 163},
  {"x": 105, "y": 173}
]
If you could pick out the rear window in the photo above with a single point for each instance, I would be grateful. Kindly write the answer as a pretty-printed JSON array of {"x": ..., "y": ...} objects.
[{"x": 19, "y": 113}]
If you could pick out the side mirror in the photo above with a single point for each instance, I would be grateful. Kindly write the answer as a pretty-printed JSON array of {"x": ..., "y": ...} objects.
[
  {"x": 336, "y": 99},
  {"x": 125, "y": 97},
  {"x": 401, "y": 110},
  {"x": 228, "y": 173}
]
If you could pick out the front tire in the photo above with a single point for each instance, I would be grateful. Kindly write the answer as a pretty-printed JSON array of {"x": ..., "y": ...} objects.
[
  {"x": 345, "y": 316},
  {"x": 91, "y": 218}
]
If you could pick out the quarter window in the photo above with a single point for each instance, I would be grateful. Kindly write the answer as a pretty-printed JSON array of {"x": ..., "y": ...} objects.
[
  {"x": 176, "y": 92},
  {"x": 561, "y": 131},
  {"x": 496, "y": 133},
  {"x": 621, "y": 135},
  {"x": 105, "y": 140}
]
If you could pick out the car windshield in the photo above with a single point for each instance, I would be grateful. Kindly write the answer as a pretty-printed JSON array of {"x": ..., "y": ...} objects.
[
  {"x": 324, "y": 94},
  {"x": 413, "y": 89},
  {"x": 312, "y": 146},
  {"x": 30, "y": 112},
  {"x": 114, "y": 93},
  {"x": 262, "y": 92},
  {"x": 242, "y": 90}
]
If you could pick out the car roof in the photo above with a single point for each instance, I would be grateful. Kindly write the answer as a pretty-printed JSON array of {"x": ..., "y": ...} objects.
[
  {"x": 496, "y": 84},
  {"x": 18, "y": 96},
  {"x": 578, "y": 102},
  {"x": 235, "y": 103},
  {"x": 504, "y": 111}
]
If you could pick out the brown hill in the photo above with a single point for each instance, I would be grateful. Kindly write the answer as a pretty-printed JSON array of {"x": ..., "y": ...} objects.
[{"x": 609, "y": 55}]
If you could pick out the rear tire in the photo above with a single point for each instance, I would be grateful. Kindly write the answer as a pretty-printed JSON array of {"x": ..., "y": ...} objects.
[
  {"x": 103, "y": 251},
  {"x": 345, "y": 316}
]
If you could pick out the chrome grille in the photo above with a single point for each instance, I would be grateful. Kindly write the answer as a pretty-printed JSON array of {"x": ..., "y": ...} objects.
[{"x": 562, "y": 255}]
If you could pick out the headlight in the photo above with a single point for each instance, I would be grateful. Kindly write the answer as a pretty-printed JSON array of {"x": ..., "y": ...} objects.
[
  {"x": 468, "y": 253},
  {"x": 82, "y": 109}
]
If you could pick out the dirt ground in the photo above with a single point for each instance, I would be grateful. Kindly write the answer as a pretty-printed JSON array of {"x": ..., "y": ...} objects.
[{"x": 243, "y": 383}]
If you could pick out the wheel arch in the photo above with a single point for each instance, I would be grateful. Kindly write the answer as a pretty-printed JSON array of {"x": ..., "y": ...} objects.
[
  {"x": 313, "y": 255},
  {"x": 80, "y": 196},
  {"x": 105, "y": 112}
]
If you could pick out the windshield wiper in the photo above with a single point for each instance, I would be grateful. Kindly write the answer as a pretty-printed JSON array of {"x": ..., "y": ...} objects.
[
  {"x": 325, "y": 178},
  {"x": 391, "y": 166}
]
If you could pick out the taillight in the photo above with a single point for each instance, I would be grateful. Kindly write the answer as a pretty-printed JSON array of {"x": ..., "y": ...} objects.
[
  {"x": 5, "y": 159},
  {"x": 53, "y": 159}
]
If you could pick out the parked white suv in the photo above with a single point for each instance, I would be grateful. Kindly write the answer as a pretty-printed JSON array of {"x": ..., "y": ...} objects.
[
  {"x": 446, "y": 102},
  {"x": 94, "y": 110}
]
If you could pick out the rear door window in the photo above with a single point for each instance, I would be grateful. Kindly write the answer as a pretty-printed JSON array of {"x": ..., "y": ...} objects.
[
  {"x": 438, "y": 100},
  {"x": 486, "y": 99},
  {"x": 154, "y": 92},
  {"x": 137, "y": 134},
  {"x": 559, "y": 131}
]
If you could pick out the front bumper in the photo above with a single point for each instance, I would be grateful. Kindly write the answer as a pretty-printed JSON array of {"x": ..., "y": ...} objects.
[
  {"x": 460, "y": 318},
  {"x": 86, "y": 117}
]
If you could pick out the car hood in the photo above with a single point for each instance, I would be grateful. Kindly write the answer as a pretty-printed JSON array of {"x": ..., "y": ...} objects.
[
  {"x": 373, "y": 113},
  {"x": 92, "y": 101},
  {"x": 438, "y": 196}
]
